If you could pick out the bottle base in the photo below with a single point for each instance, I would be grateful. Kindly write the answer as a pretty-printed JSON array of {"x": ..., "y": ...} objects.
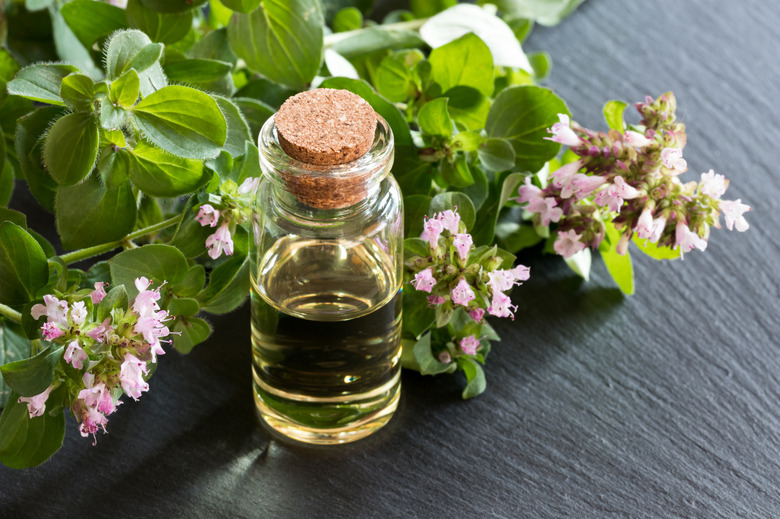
[{"x": 327, "y": 421}]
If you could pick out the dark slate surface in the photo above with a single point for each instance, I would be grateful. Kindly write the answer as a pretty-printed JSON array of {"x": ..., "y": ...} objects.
[{"x": 665, "y": 404}]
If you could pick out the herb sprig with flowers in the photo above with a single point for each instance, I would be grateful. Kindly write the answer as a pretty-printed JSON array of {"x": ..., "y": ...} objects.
[{"x": 138, "y": 134}]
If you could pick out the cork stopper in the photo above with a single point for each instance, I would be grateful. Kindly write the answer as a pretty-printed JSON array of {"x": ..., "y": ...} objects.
[{"x": 325, "y": 127}]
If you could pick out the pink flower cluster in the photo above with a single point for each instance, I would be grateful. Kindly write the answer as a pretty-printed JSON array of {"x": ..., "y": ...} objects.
[
  {"x": 102, "y": 360},
  {"x": 449, "y": 279},
  {"x": 632, "y": 180},
  {"x": 208, "y": 216}
]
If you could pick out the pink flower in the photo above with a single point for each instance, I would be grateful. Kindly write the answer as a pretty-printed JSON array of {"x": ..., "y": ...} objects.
[
  {"x": 207, "y": 215},
  {"x": 220, "y": 241},
  {"x": 712, "y": 184},
  {"x": 636, "y": 139},
  {"x": 469, "y": 345},
  {"x": 672, "y": 159},
  {"x": 445, "y": 357},
  {"x": 78, "y": 313},
  {"x": 436, "y": 300},
  {"x": 462, "y": 293},
  {"x": 449, "y": 220},
  {"x": 424, "y": 280},
  {"x": 521, "y": 273},
  {"x": 145, "y": 303},
  {"x": 477, "y": 314},
  {"x": 432, "y": 229},
  {"x": 100, "y": 333},
  {"x": 562, "y": 133},
  {"x": 568, "y": 243},
  {"x": 53, "y": 308},
  {"x": 501, "y": 306},
  {"x": 732, "y": 213},
  {"x": 562, "y": 177},
  {"x": 528, "y": 191},
  {"x": 644, "y": 225},
  {"x": 615, "y": 194},
  {"x": 687, "y": 240},
  {"x": 36, "y": 405},
  {"x": 622, "y": 245},
  {"x": 51, "y": 331},
  {"x": 131, "y": 376},
  {"x": 463, "y": 244},
  {"x": 500, "y": 280},
  {"x": 583, "y": 185},
  {"x": 99, "y": 293},
  {"x": 91, "y": 419},
  {"x": 659, "y": 224},
  {"x": 152, "y": 328},
  {"x": 249, "y": 185},
  {"x": 75, "y": 355},
  {"x": 97, "y": 396},
  {"x": 546, "y": 207}
]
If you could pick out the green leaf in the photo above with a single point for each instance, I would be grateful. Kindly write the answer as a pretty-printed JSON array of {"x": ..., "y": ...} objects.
[
  {"x": 475, "y": 378},
  {"x": 466, "y": 61},
  {"x": 455, "y": 201},
  {"x": 215, "y": 46},
  {"x": 370, "y": 40},
  {"x": 242, "y": 6},
  {"x": 130, "y": 49},
  {"x": 522, "y": 115},
  {"x": 77, "y": 91},
  {"x": 71, "y": 148},
  {"x": 546, "y": 12},
  {"x": 281, "y": 39},
  {"x": 90, "y": 20},
  {"x": 621, "y": 270},
  {"x": 156, "y": 262},
  {"x": 228, "y": 286},
  {"x": 88, "y": 214},
  {"x": 37, "y": 5},
  {"x": 580, "y": 263},
  {"x": 468, "y": 106},
  {"x": 6, "y": 183},
  {"x": 415, "y": 209},
  {"x": 68, "y": 47},
  {"x": 192, "y": 283},
  {"x": 197, "y": 70},
  {"x": 541, "y": 62},
  {"x": 654, "y": 251},
  {"x": 255, "y": 112},
  {"x": 111, "y": 117},
  {"x": 504, "y": 188},
  {"x": 9, "y": 215},
  {"x": 115, "y": 298},
  {"x": 158, "y": 173},
  {"x": 182, "y": 121},
  {"x": 347, "y": 19},
  {"x": 429, "y": 365},
  {"x": 23, "y": 266},
  {"x": 478, "y": 191},
  {"x": 427, "y": 8},
  {"x": 418, "y": 316},
  {"x": 394, "y": 77},
  {"x": 41, "y": 82},
  {"x": 30, "y": 377},
  {"x": 434, "y": 119},
  {"x": 13, "y": 346},
  {"x": 183, "y": 307},
  {"x": 125, "y": 89},
  {"x": 27, "y": 442},
  {"x": 192, "y": 331},
  {"x": 382, "y": 106},
  {"x": 415, "y": 247},
  {"x": 172, "y": 6},
  {"x": 238, "y": 129},
  {"x": 29, "y": 149},
  {"x": 613, "y": 114},
  {"x": 190, "y": 236},
  {"x": 160, "y": 27},
  {"x": 497, "y": 155},
  {"x": 457, "y": 173}
]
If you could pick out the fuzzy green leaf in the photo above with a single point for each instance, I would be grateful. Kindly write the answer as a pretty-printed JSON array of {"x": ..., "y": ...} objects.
[
  {"x": 89, "y": 214},
  {"x": 434, "y": 119},
  {"x": 497, "y": 155},
  {"x": 182, "y": 121},
  {"x": 281, "y": 39},
  {"x": 23, "y": 266},
  {"x": 71, "y": 148},
  {"x": 29, "y": 149},
  {"x": 160, "y": 27},
  {"x": 395, "y": 78},
  {"x": 468, "y": 106},
  {"x": 238, "y": 129},
  {"x": 521, "y": 115},
  {"x": 125, "y": 89},
  {"x": 158, "y": 173},
  {"x": 192, "y": 331},
  {"x": 30, "y": 377},
  {"x": 77, "y": 91},
  {"x": 6, "y": 183},
  {"x": 41, "y": 82}
]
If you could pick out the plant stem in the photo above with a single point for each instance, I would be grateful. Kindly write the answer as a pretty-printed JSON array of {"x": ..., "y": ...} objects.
[
  {"x": 91, "y": 252},
  {"x": 412, "y": 25},
  {"x": 10, "y": 313}
]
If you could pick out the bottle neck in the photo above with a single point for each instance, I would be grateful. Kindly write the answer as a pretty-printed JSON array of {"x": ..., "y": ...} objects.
[{"x": 329, "y": 191}]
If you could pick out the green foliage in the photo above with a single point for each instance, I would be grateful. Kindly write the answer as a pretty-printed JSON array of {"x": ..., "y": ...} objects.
[
  {"x": 23, "y": 267},
  {"x": 90, "y": 20},
  {"x": 618, "y": 265},
  {"x": 545, "y": 12},
  {"x": 160, "y": 27},
  {"x": 156, "y": 262},
  {"x": 158, "y": 173},
  {"x": 613, "y": 114},
  {"x": 28, "y": 442},
  {"x": 71, "y": 148},
  {"x": 30, "y": 377},
  {"x": 13, "y": 346},
  {"x": 463, "y": 62},
  {"x": 41, "y": 82}
]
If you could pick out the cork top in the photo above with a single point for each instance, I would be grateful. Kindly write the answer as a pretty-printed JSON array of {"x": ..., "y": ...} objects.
[{"x": 326, "y": 126}]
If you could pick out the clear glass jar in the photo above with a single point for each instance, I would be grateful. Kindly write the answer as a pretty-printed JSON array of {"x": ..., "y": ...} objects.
[{"x": 326, "y": 292}]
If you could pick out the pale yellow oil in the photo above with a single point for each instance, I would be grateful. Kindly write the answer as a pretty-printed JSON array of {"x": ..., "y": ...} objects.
[{"x": 326, "y": 326}]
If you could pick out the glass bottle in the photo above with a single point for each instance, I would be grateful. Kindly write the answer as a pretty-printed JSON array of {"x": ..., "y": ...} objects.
[{"x": 326, "y": 280}]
